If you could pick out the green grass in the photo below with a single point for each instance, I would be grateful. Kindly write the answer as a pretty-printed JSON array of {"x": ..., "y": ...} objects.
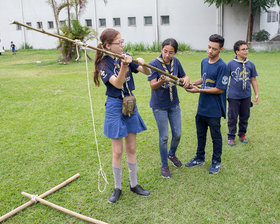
[{"x": 46, "y": 137}]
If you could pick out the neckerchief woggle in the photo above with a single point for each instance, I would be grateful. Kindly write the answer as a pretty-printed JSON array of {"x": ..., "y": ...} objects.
[
  {"x": 171, "y": 73},
  {"x": 244, "y": 72},
  {"x": 116, "y": 64}
]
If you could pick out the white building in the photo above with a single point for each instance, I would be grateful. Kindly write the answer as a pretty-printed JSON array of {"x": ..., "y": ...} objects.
[
  {"x": 270, "y": 21},
  {"x": 188, "y": 21}
]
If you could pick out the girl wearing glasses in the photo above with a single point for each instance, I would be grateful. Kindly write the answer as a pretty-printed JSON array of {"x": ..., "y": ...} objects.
[
  {"x": 165, "y": 102},
  {"x": 117, "y": 76}
]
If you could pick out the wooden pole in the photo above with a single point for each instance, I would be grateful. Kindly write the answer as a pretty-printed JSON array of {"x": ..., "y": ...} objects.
[
  {"x": 20, "y": 208},
  {"x": 67, "y": 211},
  {"x": 174, "y": 79}
]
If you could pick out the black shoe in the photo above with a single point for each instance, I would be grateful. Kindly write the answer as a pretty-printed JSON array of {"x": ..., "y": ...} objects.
[
  {"x": 115, "y": 195},
  {"x": 139, "y": 190}
]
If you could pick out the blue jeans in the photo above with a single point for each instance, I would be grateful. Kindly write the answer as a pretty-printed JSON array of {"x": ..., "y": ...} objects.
[
  {"x": 173, "y": 115},
  {"x": 202, "y": 124}
]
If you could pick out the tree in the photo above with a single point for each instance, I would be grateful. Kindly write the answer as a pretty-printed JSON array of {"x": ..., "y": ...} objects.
[
  {"x": 254, "y": 6},
  {"x": 73, "y": 28}
]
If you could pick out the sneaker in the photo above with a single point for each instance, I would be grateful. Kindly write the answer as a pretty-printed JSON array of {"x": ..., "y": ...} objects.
[
  {"x": 165, "y": 172},
  {"x": 139, "y": 190},
  {"x": 243, "y": 139},
  {"x": 176, "y": 162},
  {"x": 195, "y": 162},
  {"x": 115, "y": 195},
  {"x": 231, "y": 142},
  {"x": 215, "y": 168}
]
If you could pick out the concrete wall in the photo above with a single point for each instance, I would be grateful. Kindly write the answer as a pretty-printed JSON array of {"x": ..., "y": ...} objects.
[
  {"x": 265, "y": 45},
  {"x": 235, "y": 24}
]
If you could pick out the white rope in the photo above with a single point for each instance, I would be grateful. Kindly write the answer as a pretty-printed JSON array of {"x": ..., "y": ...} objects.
[
  {"x": 78, "y": 55},
  {"x": 33, "y": 198},
  {"x": 100, "y": 172}
]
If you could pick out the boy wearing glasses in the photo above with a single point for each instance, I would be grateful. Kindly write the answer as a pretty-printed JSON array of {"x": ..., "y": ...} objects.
[{"x": 243, "y": 73}]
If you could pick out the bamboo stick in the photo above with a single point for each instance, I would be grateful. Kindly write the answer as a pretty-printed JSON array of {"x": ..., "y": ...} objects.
[
  {"x": 67, "y": 211},
  {"x": 27, "y": 204},
  {"x": 174, "y": 79}
]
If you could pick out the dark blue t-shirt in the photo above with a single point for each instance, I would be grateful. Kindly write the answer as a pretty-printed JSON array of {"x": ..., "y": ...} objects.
[
  {"x": 109, "y": 67},
  {"x": 235, "y": 89},
  {"x": 213, "y": 75},
  {"x": 160, "y": 98}
]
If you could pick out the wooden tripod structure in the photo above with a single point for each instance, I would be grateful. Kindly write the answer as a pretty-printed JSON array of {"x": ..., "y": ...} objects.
[{"x": 39, "y": 198}]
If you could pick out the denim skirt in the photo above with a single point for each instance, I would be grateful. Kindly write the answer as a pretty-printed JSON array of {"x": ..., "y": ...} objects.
[{"x": 116, "y": 124}]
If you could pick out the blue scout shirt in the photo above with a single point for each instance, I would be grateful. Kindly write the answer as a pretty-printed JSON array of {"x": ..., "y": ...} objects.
[
  {"x": 213, "y": 75},
  {"x": 235, "y": 89},
  {"x": 110, "y": 67},
  {"x": 160, "y": 98}
]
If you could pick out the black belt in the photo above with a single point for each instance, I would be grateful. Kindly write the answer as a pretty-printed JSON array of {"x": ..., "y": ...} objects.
[{"x": 117, "y": 97}]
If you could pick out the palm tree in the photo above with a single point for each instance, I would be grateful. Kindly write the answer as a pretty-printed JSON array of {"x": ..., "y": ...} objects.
[{"x": 73, "y": 29}]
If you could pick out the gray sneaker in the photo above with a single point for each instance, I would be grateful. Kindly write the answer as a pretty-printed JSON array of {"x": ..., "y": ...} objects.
[
  {"x": 243, "y": 139},
  {"x": 165, "y": 172},
  {"x": 176, "y": 162},
  {"x": 195, "y": 162},
  {"x": 231, "y": 142}
]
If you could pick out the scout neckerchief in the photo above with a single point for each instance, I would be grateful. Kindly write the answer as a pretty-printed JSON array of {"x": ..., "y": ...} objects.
[
  {"x": 244, "y": 72},
  {"x": 116, "y": 64},
  {"x": 171, "y": 73}
]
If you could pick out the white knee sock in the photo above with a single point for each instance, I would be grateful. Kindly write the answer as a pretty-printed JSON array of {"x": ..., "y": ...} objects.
[
  {"x": 132, "y": 167},
  {"x": 118, "y": 177}
]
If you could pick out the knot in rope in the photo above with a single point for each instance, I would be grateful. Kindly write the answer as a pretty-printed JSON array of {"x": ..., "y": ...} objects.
[
  {"x": 178, "y": 82},
  {"x": 33, "y": 198},
  {"x": 103, "y": 174}
]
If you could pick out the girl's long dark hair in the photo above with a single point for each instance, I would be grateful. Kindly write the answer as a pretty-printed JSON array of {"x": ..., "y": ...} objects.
[
  {"x": 172, "y": 42},
  {"x": 106, "y": 37}
]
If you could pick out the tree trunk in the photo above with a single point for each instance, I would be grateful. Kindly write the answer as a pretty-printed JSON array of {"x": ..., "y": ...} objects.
[
  {"x": 55, "y": 16},
  {"x": 249, "y": 31}
]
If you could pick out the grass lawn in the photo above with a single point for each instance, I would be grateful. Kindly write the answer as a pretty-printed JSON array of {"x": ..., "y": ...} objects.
[{"x": 46, "y": 136}]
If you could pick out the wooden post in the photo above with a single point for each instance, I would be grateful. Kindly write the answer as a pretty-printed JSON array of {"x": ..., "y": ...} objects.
[
  {"x": 67, "y": 211},
  {"x": 20, "y": 208},
  {"x": 173, "y": 78}
]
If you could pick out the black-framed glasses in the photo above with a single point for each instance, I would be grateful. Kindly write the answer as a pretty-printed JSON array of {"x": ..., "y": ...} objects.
[{"x": 121, "y": 42}]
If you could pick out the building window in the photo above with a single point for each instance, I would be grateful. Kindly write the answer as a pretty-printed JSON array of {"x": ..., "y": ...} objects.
[
  {"x": 272, "y": 16},
  {"x": 148, "y": 20},
  {"x": 62, "y": 22},
  {"x": 102, "y": 22},
  {"x": 117, "y": 21},
  {"x": 28, "y": 24},
  {"x": 131, "y": 21},
  {"x": 164, "y": 20},
  {"x": 18, "y": 27},
  {"x": 89, "y": 22},
  {"x": 39, "y": 25},
  {"x": 50, "y": 24}
]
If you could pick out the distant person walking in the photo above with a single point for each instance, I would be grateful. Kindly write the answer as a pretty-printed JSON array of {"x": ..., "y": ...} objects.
[
  {"x": 243, "y": 73},
  {"x": 13, "y": 47},
  {"x": 1, "y": 48}
]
